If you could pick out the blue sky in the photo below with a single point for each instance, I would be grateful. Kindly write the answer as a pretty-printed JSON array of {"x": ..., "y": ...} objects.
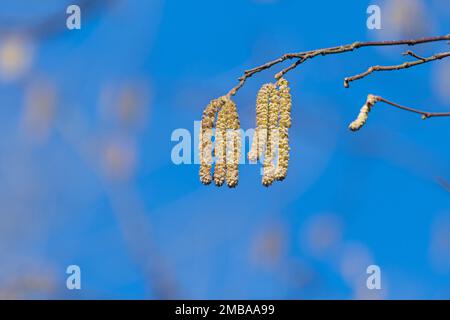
[{"x": 89, "y": 180}]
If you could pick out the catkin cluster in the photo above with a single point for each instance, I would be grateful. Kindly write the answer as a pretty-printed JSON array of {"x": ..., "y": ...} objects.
[
  {"x": 271, "y": 139},
  {"x": 363, "y": 115},
  {"x": 227, "y": 144}
]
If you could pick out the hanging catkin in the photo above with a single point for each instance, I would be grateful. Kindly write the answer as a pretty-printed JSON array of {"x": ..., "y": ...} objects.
[
  {"x": 260, "y": 135},
  {"x": 363, "y": 115},
  {"x": 220, "y": 145},
  {"x": 272, "y": 137},
  {"x": 233, "y": 144},
  {"x": 205, "y": 143},
  {"x": 285, "y": 103}
]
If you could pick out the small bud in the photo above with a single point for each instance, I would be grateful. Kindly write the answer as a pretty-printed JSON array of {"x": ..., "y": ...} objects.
[{"x": 346, "y": 84}]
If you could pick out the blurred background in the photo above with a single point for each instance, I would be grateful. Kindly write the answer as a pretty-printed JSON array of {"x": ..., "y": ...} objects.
[{"x": 86, "y": 175}]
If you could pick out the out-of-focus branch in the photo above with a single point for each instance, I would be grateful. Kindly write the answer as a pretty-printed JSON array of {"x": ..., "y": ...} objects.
[
  {"x": 443, "y": 183},
  {"x": 54, "y": 23}
]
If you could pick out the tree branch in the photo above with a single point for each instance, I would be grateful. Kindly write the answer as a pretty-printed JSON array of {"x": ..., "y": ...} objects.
[
  {"x": 303, "y": 56},
  {"x": 404, "y": 65},
  {"x": 412, "y": 54},
  {"x": 274, "y": 105},
  {"x": 425, "y": 114},
  {"x": 372, "y": 100}
]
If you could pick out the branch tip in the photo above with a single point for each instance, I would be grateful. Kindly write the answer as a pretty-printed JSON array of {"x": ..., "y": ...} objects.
[{"x": 306, "y": 55}]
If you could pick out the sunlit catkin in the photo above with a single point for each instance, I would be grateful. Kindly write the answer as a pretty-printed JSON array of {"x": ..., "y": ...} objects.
[
  {"x": 233, "y": 144},
  {"x": 363, "y": 113},
  {"x": 285, "y": 121},
  {"x": 205, "y": 143},
  {"x": 272, "y": 137},
  {"x": 220, "y": 145},
  {"x": 260, "y": 135}
]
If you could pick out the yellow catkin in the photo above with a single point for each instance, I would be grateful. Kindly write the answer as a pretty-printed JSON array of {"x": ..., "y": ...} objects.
[
  {"x": 205, "y": 143},
  {"x": 284, "y": 125},
  {"x": 260, "y": 135},
  {"x": 220, "y": 145},
  {"x": 233, "y": 144},
  {"x": 363, "y": 115},
  {"x": 272, "y": 137}
]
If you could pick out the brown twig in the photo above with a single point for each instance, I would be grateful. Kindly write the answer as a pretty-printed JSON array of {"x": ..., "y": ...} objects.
[
  {"x": 303, "y": 56},
  {"x": 424, "y": 114},
  {"x": 404, "y": 65},
  {"x": 291, "y": 67},
  {"x": 412, "y": 54}
]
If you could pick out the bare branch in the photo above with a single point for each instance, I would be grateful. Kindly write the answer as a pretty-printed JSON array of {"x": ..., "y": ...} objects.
[
  {"x": 291, "y": 67},
  {"x": 412, "y": 54},
  {"x": 404, "y": 65},
  {"x": 425, "y": 114},
  {"x": 269, "y": 104},
  {"x": 303, "y": 56}
]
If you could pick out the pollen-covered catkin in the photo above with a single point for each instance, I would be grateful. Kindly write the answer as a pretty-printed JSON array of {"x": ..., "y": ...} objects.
[
  {"x": 363, "y": 115},
  {"x": 272, "y": 137},
  {"x": 283, "y": 132},
  {"x": 205, "y": 143},
  {"x": 233, "y": 144},
  {"x": 220, "y": 145},
  {"x": 260, "y": 135}
]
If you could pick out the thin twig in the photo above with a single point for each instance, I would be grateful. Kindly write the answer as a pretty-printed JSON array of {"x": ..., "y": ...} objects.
[
  {"x": 412, "y": 54},
  {"x": 303, "y": 56},
  {"x": 425, "y": 114},
  {"x": 291, "y": 67},
  {"x": 404, "y": 65}
]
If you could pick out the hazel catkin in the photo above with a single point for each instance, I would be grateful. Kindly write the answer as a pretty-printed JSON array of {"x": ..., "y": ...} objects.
[
  {"x": 205, "y": 143},
  {"x": 220, "y": 145},
  {"x": 285, "y": 106},
  {"x": 272, "y": 137},
  {"x": 270, "y": 141},
  {"x": 260, "y": 135},
  {"x": 233, "y": 144},
  {"x": 363, "y": 115}
]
